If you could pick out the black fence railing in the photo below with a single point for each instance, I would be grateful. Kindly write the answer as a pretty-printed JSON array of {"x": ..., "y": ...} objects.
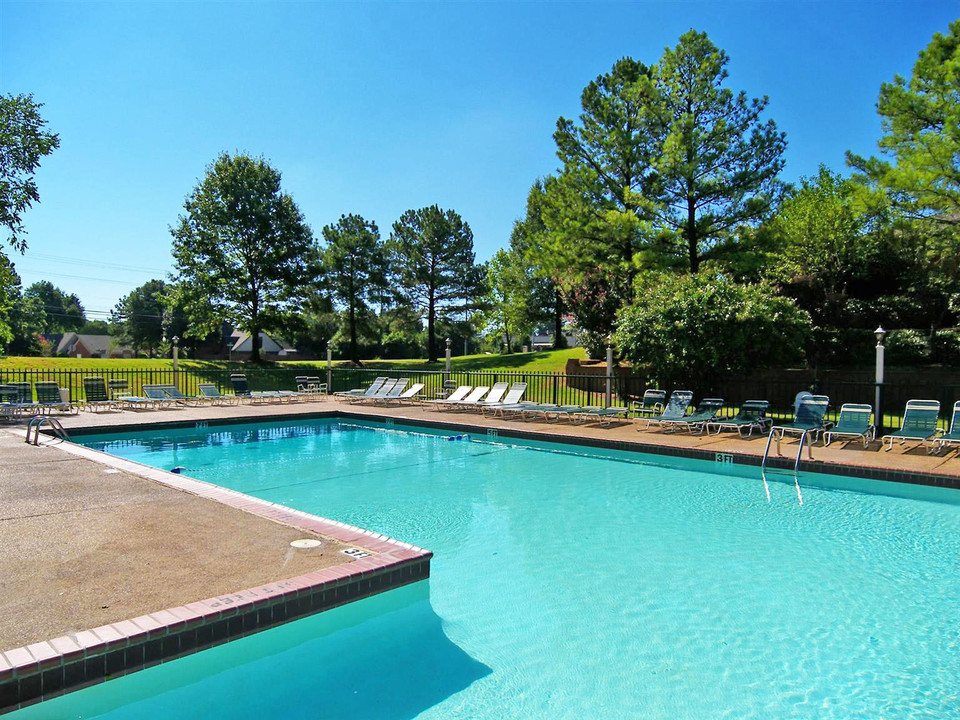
[{"x": 888, "y": 399}]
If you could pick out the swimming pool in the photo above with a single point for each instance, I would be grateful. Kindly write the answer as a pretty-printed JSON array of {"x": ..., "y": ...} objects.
[{"x": 572, "y": 583}]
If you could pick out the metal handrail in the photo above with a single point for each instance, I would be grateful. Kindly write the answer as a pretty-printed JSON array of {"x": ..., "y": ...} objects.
[{"x": 37, "y": 421}]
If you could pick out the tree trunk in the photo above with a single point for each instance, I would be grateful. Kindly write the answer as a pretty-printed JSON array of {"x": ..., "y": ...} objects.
[
  {"x": 255, "y": 334},
  {"x": 354, "y": 354},
  {"x": 559, "y": 341},
  {"x": 431, "y": 340},
  {"x": 692, "y": 232}
]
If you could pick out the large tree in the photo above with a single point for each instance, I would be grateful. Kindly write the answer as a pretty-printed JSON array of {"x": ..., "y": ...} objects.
[
  {"x": 717, "y": 161},
  {"x": 921, "y": 124},
  {"x": 62, "y": 312},
  {"x": 23, "y": 142},
  {"x": 242, "y": 249},
  {"x": 354, "y": 266},
  {"x": 140, "y": 315},
  {"x": 431, "y": 253}
]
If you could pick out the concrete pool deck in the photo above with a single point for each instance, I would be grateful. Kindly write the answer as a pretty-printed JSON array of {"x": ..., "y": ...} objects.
[{"x": 93, "y": 584}]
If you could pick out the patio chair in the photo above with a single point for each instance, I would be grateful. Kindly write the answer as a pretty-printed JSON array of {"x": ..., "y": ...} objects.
[
  {"x": 48, "y": 398},
  {"x": 651, "y": 405},
  {"x": 211, "y": 393},
  {"x": 510, "y": 401},
  {"x": 675, "y": 410},
  {"x": 241, "y": 388},
  {"x": 604, "y": 416},
  {"x": 21, "y": 398},
  {"x": 752, "y": 414},
  {"x": 173, "y": 393},
  {"x": 392, "y": 394},
  {"x": 707, "y": 410},
  {"x": 95, "y": 395},
  {"x": 854, "y": 422},
  {"x": 309, "y": 387},
  {"x": 919, "y": 423},
  {"x": 381, "y": 392},
  {"x": 159, "y": 396},
  {"x": 368, "y": 391},
  {"x": 471, "y": 399},
  {"x": 952, "y": 437},
  {"x": 9, "y": 407},
  {"x": 808, "y": 419},
  {"x": 454, "y": 397},
  {"x": 493, "y": 397},
  {"x": 409, "y": 395}
]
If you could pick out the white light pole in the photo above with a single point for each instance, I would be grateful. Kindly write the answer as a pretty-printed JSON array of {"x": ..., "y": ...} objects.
[
  {"x": 609, "y": 367},
  {"x": 446, "y": 361},
  {"x": 176, "y": 352},
  {"x": 880, "y": 334}
]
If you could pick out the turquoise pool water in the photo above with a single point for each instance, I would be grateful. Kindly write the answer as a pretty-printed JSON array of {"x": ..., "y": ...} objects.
[{"x": 572, "y": 584}]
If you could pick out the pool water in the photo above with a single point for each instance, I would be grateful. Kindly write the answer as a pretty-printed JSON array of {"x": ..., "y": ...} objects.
[{"x": 572, "y": 584}]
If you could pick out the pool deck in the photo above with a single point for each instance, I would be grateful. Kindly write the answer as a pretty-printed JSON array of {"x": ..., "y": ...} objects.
[{"x": 94, "y": 583}]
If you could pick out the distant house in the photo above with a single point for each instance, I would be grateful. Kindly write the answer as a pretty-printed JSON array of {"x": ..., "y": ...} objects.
[
  {"x": 270, "y": 348},
  {"x": 543, "y": 340},
  {"x": 91, "y": 346}
]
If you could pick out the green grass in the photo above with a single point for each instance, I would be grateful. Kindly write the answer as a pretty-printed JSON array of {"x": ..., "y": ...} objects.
[
  {"x": 98, "y": 364},
  {"x": 548, "y": 361}
]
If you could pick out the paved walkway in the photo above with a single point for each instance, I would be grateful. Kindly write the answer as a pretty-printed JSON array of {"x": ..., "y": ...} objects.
[
  {"x": 909, "y": 457},
  {"x": 86, "y": 545}
]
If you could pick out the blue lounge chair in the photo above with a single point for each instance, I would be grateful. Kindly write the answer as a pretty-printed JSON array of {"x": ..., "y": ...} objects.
[
  {"x": 95, "y": 395},
  {"x": 48, "y": 398},
  {"x": 752, "y": 414},
  {"x": 919, "y": 423},
  {"x": 211, "y": 393},
  {"x": 952, "y": 437},
  {"x": 651, "y": 404},
  {"x": 854, "y": 422},
  {"x": 808, "y": 419},
  {"x": 707, "y": 410},
  {"x": 676, "y": 409}
]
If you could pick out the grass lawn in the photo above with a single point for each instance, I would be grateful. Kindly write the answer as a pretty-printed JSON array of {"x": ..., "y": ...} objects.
[{"x": 548, "y": 361}]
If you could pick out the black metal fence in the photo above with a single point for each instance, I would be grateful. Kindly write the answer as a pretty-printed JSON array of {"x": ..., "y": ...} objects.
[{"x": 559, "y": 388}]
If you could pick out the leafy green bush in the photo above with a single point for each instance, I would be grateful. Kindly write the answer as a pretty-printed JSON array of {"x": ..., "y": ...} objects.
[{"x": 692, "y": 329}]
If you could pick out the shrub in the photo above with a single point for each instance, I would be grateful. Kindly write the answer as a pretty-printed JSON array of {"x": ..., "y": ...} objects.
[{"x": 693, "y": 329}]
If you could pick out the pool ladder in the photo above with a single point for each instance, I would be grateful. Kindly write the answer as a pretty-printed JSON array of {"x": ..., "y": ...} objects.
[
  {"x": 796, "y": 464},
  {"x": 37, "y": 422}
]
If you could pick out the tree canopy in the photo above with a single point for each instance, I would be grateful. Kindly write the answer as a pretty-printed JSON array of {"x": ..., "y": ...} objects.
[
  {"x": 354, "y": 266},
  {"x": 431, "y": 255},
  {"x": 23, "y": 142},
  {"x": 139, "y": 317},
  {"x": 242, "y": 249},
  {"x": 921, "y": 125}
]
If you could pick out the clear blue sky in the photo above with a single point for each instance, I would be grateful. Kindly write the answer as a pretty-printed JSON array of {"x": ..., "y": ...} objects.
[{"x": 376, "y": 108}]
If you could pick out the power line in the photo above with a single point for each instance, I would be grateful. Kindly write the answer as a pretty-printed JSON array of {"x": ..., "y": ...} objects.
[{"x": 95, "y": 263}]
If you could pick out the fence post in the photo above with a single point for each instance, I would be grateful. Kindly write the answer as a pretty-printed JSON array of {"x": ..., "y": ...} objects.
[
  {"x": 880, "y": 333},
  {"x": 609, "y": 371}
]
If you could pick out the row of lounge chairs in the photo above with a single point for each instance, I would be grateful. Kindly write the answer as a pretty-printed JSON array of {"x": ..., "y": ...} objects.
[
  {"x": 16, "y": 399},
  {"x": 920, "y": 419},
  {"x": 500, "y": 400},
  {"x": 674, "y": 413}
]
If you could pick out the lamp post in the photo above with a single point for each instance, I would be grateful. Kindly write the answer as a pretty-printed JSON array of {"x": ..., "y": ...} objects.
[
  {"x": 176, "y": 357},
  {"x": 880, "y": 334},
  {"x": 446, "y": 362},
  {"x": 609, "y": 368}
]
